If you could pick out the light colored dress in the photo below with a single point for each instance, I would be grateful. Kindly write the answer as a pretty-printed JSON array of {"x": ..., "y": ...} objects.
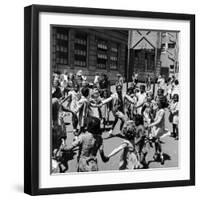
[
  {"x": 175, "y": 90},
  {"x": 74, "y": 98},
  {"x": 159, "y": 129},
  {"x": 84, "y": 111},
  {"x": 128, "y": 158},
  {"x": 141, "y": 98},
  {"x": 174, "y": 107}
]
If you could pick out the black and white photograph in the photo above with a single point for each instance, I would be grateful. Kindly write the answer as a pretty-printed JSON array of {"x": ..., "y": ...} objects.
[
  {"x": 114, "y": 99},
  {"x": 109, "y": 100},
  {"x": 98, "y": 100}
]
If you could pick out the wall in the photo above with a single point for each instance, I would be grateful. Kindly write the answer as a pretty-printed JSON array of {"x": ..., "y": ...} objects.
[
  {"x": 91, "y": 38},
  {"x": 11, "y": 81},
  {"x": 154, "y": 45},
  {"x": 170, "y": 55}
]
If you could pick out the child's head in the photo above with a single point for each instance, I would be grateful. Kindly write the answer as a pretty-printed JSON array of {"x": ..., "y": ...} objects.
[
  {"x": 129, "y": 129},
  {"x": 76, "y": 87},
  {"x": 71, "y": 76},
  {"x": 154, "y": 105},
  {"x": 56, "y": 82},
  {"x": 176, "y": 82},
  {"x": 119, "y": 76},
  {"x": 149, "y": 96},
  {"x": 137, "y": 90},
  {"x": 142, "y": 88},
  {"x": 105, "y": 93},
  {"x": 85, "y": 83},
  {"x": 119, "y": 88},
  {"x": 130, "y": 91},
  {"x": 175, "y": 97},
  {"x": 85, "y": 91},
  {"x": 95, "y": 93},
  {"x": 160, "y": 92}
]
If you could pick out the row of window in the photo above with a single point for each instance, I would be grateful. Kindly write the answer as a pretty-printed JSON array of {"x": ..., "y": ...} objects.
[
  {"x": 168, "y": 45},
  {"x": 107, "y": 52}
]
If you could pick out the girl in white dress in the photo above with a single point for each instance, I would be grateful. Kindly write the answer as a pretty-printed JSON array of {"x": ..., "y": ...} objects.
[{"x": 158, "y": 129}]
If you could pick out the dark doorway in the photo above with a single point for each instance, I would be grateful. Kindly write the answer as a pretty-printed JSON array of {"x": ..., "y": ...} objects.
[{"x": 142, "y": 60}]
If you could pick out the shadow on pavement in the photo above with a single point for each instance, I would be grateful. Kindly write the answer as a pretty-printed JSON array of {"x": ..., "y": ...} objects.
[{"x": 166, "y": 157}]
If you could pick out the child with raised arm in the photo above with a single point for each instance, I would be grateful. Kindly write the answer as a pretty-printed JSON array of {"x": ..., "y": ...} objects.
[
  {"x": 117, "y": 107},
  {"x": 83, "y": 109}
]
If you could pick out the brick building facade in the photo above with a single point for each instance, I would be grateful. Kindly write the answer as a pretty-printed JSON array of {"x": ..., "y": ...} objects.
[
  {"x": 105, "y": 51},
  {"x": 91, "y": 50}
]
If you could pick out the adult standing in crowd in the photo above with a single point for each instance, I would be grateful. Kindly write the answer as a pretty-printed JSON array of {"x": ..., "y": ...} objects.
[
  {"x": 161, "y": 82},
  {"x": 120, "y": 80},
  {"x": 148, "y": 82},
  {"x": 135, "y": 79}
]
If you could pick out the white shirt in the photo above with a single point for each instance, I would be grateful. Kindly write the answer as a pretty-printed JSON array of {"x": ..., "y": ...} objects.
[
  {"x": 175, "y": 90},
  {"x": 141, "y": 99},
  {"x": 75, "y": 96}
]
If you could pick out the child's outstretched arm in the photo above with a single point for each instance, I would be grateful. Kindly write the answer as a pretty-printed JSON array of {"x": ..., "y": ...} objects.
[
  {"x": 158, "y": 120},
  {"x": 117, "y": 150},
  {"x": 79, "y": 106},
  {"x": 74, "y": 144},
  {"x": 102, "y": 154},
  {"x": 130, "y": 100},
  {"x": 120, "y": 135},
  {"x": 106, "y": 101},
  {"x": 64, "y": 99},
  {"x": 66, "y": 109}
]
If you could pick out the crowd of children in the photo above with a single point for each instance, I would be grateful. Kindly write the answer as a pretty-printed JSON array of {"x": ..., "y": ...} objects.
[{"x": 95, "y": 109}]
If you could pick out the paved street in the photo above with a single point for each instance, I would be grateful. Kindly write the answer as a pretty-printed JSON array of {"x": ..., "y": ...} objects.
[{"x": 169, "y": 145}]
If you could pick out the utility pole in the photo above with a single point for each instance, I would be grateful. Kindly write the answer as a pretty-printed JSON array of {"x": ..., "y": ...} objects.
[
  {"x": 155, "y": 67},
  {"x": 155, "y": 59},
  {"x": 128, "y": 58}
]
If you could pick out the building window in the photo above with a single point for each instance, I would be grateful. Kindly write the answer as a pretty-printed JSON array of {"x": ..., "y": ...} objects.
[
  {"x": 163, "y": 46},
  {"x": 171, "y": 67},
  {"x": 171, "y": 45},
  {"x": 60, "y": 46},
  {"x": 113, "y": 55},
  {"x": 102, "y": 53},
  {"x": 80, "y": 49}
]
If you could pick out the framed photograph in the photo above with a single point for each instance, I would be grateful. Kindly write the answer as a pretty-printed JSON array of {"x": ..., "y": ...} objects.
[{"x": 109, "y": 99}]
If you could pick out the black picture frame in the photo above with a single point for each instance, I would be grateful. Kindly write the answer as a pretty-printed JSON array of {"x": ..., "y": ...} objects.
[{"x": 31, "y": 98}]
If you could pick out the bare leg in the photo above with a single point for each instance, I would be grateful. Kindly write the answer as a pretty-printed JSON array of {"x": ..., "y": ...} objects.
[
  {"x": 115, "y": 122},
  {"x": 158, "y": 151},
  {"x": 121, "y": 125},
  {"x": 176, "y": 129}
]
